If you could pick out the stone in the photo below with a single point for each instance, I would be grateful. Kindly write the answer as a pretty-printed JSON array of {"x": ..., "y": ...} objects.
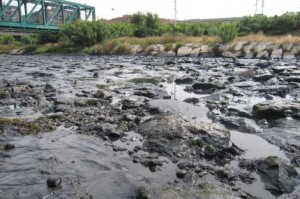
[
  {"x": 16, "y": 89},
  {"x": 287, "y": 47},
  {"x": 263, "y": 75},
  {"x": 210, "y": 151},
  {"x": 277, "y": 109},
  {"x": 288, "y": 55},
  {"x": 248, "y": 48},
  {"x": 136, "y": 49},
  {"x": 49, "y": 88},
  {"x": 169, "y": 53},
  {"x": 208, "y": 86},
  {"x": 195, "y": 52},
  {"x": 295, "y": 50},
  {"x": 278, "y": 69},
  {"x": 184, "y": 80},
  {"x": 224, "y": 47},
  {"x": 277, "y": 54},
  {"x": 263, "y": 55},
  {"x": 184, "y": 51},
  {"x": 293, "y": 79},
  {"x": 239, "y": 46},
  {"x": 228, "y": 54},
  {"x": 262, "y": 46},
  {"x": 243, "y": 124},
  {"x": 54, "y": 182},
  {"x": 205, "y": 49},
  {"x": 272, "y": 81},
  {"x": 263, "y": 64},
  {"x": 278, "y": 175},
  {"x": 101, "y": 94},
  {"x": 192, "y": 100}
]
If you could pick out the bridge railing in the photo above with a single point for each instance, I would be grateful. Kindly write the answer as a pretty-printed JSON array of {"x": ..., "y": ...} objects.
[{"x": 42, "y": 14}]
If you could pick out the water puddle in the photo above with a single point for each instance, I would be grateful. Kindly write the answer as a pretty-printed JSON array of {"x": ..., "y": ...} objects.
[{"x": 255, "y": 147}]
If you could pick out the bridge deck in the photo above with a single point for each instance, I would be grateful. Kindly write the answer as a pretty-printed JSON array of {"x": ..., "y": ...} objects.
[{"x": 41, "y": 15}]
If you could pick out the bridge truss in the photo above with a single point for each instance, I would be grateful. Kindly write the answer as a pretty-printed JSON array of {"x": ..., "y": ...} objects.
[{"x": 41, "y": 15}]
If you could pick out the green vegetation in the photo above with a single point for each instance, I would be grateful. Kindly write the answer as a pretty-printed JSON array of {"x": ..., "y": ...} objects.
[
  {"x": 24, "y": 127},
  {"x": 144, "y": 80},
  {"x": 227, "y": 32},
  {"x": 3, "y": 94},
  {"x": 105, "y": 37},
  {"x": 7, "y": 39}
]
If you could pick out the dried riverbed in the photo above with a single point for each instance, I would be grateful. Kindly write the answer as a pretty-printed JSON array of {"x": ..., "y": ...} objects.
[{"x": 149, "y": 127}]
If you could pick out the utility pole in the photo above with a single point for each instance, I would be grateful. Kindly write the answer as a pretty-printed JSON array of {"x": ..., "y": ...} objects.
[
  {"x": 256, "y": 7},
  {"x": 175, "y": 10},
  {"x": 262, "y": 7}
]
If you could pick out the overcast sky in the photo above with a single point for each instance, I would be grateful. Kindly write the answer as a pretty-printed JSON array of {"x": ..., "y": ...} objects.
[{"x": 190, "y": 9}]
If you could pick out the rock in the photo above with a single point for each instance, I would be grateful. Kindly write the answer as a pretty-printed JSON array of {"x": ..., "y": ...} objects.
[
  {"x": 287, "y": 47},
  {"x": 185, "y": 165},
  {"x": 208, "y": 86},
  {"x": 261, "y": 47},
  {"x": 181, "y": 173},
  {"x": 272, "y": 81},
  {"x": 293, "y": 79},
  {"x": 288, "y": 55},
  {"x": 8, "y": 146},
  {"x": 278, "y": 69},
  {"x": 210, "y": 151},
  {"x": 136, "y": 49},
  {"x": 243, "y": 124},
  {"x": 16, "y": 89},
  {"x": 184, "y": 80},
  {"x": 248, "y": 48},
  {"x": 240, "y": 45},
  {"x": 96, "y": 75},
  {"x": 103, "y": 95},
  {"x": 277, "y": 54},
  {"x": 277, "y": 109},
  {"x": 263, "y": 64},
  {"x": 54, "y": 182},
  {"x": 184, "y": 51},
  {"x": 195, "y": 52},
  {"x": 205, "y": 49},
  {"x": 278, "y": 176},
  {"x": 263, "y": 55},
  {"x": 263, "y": 75},
  {"x": 192, "y": 100},
  {"x": 295, "y": 50},
  {"x": 49, "y": 88},
  {"x": 152, "y": 92},
  {"x": 88, "y": 102},
  {"x": 229, "y": 54},
  {"x": 246, "y": 178}
]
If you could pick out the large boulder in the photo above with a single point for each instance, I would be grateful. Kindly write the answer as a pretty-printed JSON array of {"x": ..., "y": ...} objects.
[
  {"x": 243, "y": 124},
  {"x": 277, "y": 109},
  {"x": 278, "y": 175},
  {"x": 184, "y": 80},
  {"x": 277, "y": 53},
  {"x": 208, "y": 86},
  {"x": 195, "y": 52},
  {"x": 184, "y": 51}
]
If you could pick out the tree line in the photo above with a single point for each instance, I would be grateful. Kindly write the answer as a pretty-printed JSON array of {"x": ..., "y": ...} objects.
[{"x": 88, "y": 33}]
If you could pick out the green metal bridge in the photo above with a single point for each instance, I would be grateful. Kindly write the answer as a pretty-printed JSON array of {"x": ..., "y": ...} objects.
[{"x": 41, "y": 15}]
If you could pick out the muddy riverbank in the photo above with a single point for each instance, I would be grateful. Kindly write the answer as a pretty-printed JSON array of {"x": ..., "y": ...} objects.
[{"x": 149, "y": 127}]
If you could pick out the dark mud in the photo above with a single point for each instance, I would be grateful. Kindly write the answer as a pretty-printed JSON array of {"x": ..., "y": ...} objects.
[{"x": 146, "y": 127}]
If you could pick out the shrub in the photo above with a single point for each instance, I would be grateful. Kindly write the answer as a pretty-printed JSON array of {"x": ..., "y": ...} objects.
[
  {"x": 227, "y": 32},
  {"x": 47, "y": 37},
  {"x": 27, "y": 39},
  {"x": 7, "y": 39}
]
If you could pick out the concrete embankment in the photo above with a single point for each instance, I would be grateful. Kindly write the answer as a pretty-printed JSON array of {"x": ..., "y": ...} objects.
[{"x": 244, "y": 49}]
